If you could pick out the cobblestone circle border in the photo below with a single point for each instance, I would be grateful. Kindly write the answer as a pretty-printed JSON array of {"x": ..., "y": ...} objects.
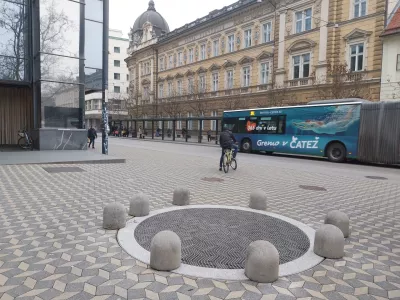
[
  {"x": 219, "y": 237},
  {"x": 127, "y": 241}
]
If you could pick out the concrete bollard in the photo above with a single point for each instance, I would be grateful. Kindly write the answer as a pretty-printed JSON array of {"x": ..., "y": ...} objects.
[
  {"x": 114, "y": 216},
  {"x": 258, "y": 200},
  {"x": 139, "y": 205},
  {"x": 165, "y": 251},
  {"x": 329, "y": 242},
  {"x": 340, "y": 220},
  {"x": 181, "y": 196},
  {"x": 262, "y": 262}
]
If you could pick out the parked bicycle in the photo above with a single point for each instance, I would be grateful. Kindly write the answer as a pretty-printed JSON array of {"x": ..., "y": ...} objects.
[
  {"x": 25, "y": 141},
  {"x": 229, "y": 161}
]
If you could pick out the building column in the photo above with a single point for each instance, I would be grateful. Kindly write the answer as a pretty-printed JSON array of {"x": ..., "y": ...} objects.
[
  {"x": 280, "y": 72},
  {"x": 321, "y": 67},
  {"x": 82, "y": 67},
  {"x": 151, "y": 89}
]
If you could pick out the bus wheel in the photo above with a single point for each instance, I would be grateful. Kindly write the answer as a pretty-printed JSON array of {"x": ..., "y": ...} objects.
[
  {"x": 336, "y": 152},
  {"x": 246, "y": 146}
]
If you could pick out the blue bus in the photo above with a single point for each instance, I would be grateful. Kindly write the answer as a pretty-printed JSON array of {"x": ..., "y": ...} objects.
[{"x": 339, "y": 129}]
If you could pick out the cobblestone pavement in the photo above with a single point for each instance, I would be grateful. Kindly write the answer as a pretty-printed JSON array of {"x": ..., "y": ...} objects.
[{"x": 52, "y": 245}]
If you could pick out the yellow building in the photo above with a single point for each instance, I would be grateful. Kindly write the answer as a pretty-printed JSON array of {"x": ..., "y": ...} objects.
[{"x": 255, "y": 53}]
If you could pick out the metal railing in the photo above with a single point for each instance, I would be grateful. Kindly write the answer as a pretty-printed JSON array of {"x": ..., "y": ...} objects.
[{"x": 196, "y": 129}]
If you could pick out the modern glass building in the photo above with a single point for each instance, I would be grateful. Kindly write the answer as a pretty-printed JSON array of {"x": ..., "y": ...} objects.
[{"x": 50, "y": 53}]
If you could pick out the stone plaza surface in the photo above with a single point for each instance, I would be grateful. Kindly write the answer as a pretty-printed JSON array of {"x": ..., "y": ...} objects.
[
  {"x": 57, "y": 157},
  {"x": 52, "y": 245}
]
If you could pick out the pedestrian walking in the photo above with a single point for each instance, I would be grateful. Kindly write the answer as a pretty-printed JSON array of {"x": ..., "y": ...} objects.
[
  {"x": 209, "y": 135},
  {"x": 92, "y": 135},
  {"x": 140, "y": 132}
]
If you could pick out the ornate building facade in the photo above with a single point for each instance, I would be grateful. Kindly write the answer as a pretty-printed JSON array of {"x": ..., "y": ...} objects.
[{"x": 255, "y": 53}]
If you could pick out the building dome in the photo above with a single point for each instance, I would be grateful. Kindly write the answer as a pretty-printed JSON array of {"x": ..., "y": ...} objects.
[{"x": 160, "y": 26}]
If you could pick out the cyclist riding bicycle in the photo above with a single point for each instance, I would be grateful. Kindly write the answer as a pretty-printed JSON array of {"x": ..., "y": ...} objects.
[{"x": 227, "y": 141}]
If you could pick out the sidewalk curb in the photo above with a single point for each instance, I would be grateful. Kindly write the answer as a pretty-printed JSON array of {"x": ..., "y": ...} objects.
[{"x": 165, "y": 141}]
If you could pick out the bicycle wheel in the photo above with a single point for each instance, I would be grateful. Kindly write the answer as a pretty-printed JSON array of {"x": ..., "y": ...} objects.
[
  {"x": 233, "y": 164},
  {"x": 22, "y": 143},
  {"x": 226, "y": 164}
]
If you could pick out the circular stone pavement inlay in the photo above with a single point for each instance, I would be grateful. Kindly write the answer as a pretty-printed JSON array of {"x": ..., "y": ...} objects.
[
  {"x": 212, "y": 179},
  {"x": 376, "y": 177},
  {"x": 312, "y": 188},
  {"x": 215, "y": 239},
  {"x": 218, "y": 237}
]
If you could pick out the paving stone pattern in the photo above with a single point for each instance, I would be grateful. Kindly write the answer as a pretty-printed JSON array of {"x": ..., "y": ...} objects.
[
  {"x": 218, "y": 238},
  {"x": 52, "y": 245}
]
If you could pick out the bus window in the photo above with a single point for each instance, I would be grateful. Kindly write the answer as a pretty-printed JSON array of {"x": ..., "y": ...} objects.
[
  {"x": 247, "y": 125},
  {"x": 271, "y": 125},
  {"x": 282, "y": 125},
  {"x": 231, "y": 124}
]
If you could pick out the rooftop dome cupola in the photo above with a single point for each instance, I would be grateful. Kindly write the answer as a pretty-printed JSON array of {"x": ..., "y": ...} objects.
[
  {"x": 160, "y": 26},
  {"x": 151, "y": 5}
]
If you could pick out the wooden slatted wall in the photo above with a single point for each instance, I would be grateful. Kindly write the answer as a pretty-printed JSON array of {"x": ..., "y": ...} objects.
[{"x": 15, "y": 113}]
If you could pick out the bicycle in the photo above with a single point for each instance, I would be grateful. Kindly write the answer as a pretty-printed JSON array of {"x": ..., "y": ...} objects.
[
  {"x": 229, "y": 160},
  {"x": 25, "y": 141}
]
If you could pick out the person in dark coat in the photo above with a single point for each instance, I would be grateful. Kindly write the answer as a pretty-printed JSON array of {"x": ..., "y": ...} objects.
[{"x": 92, "y": 135}]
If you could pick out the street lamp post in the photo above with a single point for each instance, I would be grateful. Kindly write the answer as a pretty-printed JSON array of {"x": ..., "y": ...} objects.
[{"x": 104, "y": 112}]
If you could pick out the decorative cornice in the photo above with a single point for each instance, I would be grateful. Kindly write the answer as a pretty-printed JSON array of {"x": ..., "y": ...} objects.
[
  {"x": 214, "y": 67},
  {"x": 270, "y": 17},
  {"x": 245, "y": 60},
  {"x": 356, "y": 34},
  {"x": 169, "y": 77},
  {"x": 232, "y": 30},
  {"x": 189, "y": 73},
  {"x": 229, "y": 64},
  {"x": 203, "y": 41},
  {"x": 238, "y": 6},
  {"x": 247, "y": 25},
  {"x": 178, "y": 75},
  {"x": 215, "y": 36},
  {"x": 303, "y": 44},
  {"x": 201, "y": 70},
  {"x": 264, "y": 55}
]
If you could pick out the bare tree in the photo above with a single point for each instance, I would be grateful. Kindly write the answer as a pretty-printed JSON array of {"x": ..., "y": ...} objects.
[
  {"x": 12, "y": 22},
  {"x": 53, "y": 25},
  {"x": 173, "y": 104},
  {"x": 274, "y": 96},
  {"x": 340, "y": 83},
  {"x": 133, "y": 106},
  {"x": 232, "y": 103},
  {"x": 197, "y": 100}
]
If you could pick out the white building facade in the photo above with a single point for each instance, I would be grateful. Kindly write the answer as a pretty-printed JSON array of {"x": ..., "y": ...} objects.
[
  {"x": 390, "y": 82},
  {"x": 118, "y": 83}
]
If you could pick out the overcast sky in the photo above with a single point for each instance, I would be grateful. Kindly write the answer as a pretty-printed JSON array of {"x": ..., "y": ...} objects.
[{"x": 177, "y": 13}]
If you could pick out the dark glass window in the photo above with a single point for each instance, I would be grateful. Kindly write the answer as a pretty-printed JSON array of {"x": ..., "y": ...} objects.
[
  {"x": 117, "y": 50},
  {"x": 232, "y": 124},
  {"x": 14, "y": 64},
  {"x": 257, "y": 125},
  {"x": 117, "y": 63},
  {"x": 247, "y": 124},
  {"x": 282, "y": 125},
  {"x": 117, "y": 76}
]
